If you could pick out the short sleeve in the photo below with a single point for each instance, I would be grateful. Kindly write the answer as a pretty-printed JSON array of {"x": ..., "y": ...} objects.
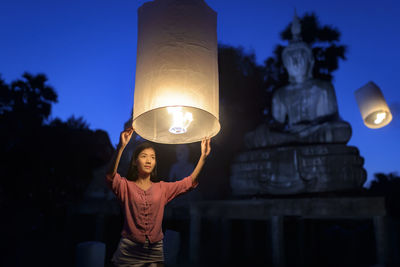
[
  {"x": 117, "y": 184},
  {"x": 174, "y": 189}
]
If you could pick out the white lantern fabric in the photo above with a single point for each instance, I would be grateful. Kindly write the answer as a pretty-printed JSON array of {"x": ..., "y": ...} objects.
[
  {"x": 176, "y": 97},
  {"x": 373, "y": 107}
]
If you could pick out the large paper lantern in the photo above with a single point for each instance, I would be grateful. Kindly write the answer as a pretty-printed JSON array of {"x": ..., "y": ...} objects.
[
  {"x": 373, "y": 107},
  {"x": 176, "y": 87}
]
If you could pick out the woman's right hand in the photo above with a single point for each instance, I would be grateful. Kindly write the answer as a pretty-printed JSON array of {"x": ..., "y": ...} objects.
[
  {"x": 123, "y": 141},
  {"x": 125, "y": 136}
]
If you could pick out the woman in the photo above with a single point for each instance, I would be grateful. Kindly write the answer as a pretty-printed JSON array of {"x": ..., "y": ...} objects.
[{"x": 143, "y": 202}]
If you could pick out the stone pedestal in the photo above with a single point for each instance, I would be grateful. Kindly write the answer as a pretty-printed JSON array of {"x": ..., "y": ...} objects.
[
  {"x": 273, "y": 211},
  {"x": 297, "y": 169}
]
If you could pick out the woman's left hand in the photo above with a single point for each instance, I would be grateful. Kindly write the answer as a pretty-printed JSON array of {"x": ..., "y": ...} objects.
[
  {"x": 205, "y": 147},
  {"x": 205, "y": 151}
]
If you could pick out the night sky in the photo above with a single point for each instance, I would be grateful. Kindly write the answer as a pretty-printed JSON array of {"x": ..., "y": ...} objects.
[{"x": 87, "y": 49}]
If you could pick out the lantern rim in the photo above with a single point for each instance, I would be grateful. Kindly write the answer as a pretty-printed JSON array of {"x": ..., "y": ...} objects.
[
  {"x": 140, "y": 133},
  {"x": 369, "y": 118}
]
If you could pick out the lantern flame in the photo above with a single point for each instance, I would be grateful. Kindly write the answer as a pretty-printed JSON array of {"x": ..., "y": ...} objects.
[
  {"x": 374, "y": 110},
  {"x": 381, "y": 116},
  {"x": 180, "y": 120}
]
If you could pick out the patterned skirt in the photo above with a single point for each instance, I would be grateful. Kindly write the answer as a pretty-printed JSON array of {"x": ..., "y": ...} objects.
[{"x": 131, "y": 254}]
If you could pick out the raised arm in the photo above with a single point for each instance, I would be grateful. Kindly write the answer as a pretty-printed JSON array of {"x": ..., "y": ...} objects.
[
  {"x": 123, "y": 141},
  {"x": 205, "y": 151}
]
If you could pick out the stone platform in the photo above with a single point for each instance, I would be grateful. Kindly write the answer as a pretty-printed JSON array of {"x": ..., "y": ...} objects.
[
  {"x": 297, "y": 169},
  {"x": 274, "y": 210}
]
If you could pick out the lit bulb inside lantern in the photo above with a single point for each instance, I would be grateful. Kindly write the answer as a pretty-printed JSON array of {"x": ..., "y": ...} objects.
[
  {"x": 180, "y": 120},
  {"x": 380, "y": 117}
]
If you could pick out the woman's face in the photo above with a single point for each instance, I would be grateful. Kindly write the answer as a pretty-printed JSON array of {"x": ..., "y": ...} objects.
[{"x": 146, "y": 161}]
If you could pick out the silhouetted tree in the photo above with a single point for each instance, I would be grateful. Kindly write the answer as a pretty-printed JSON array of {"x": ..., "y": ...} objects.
[
  {"x": 5, "y": 97},
  {"x": 45, "y": 165},
  {"x": 388, "y": 185},
  {"x": 28, "y": 99},
  {"x": 241, "y": 85},
  {"x": 242, "y": 99},
  {"x": 24, "y": 107},
  {"x": 327, "y": 50}
]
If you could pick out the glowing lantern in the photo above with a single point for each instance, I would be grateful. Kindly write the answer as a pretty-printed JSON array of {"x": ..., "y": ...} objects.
[
  {"x": 176, "y": 87},
  {"x": 373, "y": 107}
]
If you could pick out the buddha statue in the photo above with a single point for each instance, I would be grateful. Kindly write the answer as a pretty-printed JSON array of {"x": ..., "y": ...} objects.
[
  {"x": 305, "y": 110},
  {"x": 305, "y": 151}
]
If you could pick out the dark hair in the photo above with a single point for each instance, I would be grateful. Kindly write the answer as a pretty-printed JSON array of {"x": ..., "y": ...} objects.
[{"x": 133, "y": 173}]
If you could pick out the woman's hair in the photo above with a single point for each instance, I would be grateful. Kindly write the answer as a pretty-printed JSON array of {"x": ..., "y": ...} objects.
[{"x": 133, "y": 173}]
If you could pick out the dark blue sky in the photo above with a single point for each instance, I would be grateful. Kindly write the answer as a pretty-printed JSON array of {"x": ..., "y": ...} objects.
[{"x": 88, "y": 51}]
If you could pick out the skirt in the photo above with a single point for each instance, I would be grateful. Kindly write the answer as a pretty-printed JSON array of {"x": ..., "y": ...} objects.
[{"x": 131, "y": 253}]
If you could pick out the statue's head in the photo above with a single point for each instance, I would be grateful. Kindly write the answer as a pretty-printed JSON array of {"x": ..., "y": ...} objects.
[{"x": 297, "y": 56}]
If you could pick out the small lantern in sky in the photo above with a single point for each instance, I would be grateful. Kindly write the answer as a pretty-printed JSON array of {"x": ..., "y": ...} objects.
[
  {"x": 176, "y": 86},
  {"x": 373, "y": 107}
]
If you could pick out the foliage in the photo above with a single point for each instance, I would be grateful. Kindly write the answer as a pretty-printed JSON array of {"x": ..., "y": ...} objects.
[
  {"x": 46, "y": 164},
  {"x": 388, "y": 185},
  {"x": 241, "y": 86},
  {"x": 242, "y": 99},
  {"x": 28, "y": 99}
]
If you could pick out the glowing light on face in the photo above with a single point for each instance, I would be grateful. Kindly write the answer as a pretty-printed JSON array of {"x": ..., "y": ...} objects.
[
  {"x": 146, "y": 161},
  {"x": 380, "y": 117},
  {"x": 180, "y": 120}
]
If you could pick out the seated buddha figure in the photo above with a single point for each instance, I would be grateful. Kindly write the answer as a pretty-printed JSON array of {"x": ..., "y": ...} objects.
[{"x": 306, "y": 109}]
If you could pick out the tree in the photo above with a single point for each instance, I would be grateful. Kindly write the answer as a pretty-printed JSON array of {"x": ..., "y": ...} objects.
[
  {"x": 29, "y": 98},
  {"x": 388, "y": 185},
  {"x": 241, "y": 86},
  {"x": 327, "y": 50},
  {"x": 242, "y": 100},
  {"x": 46, "y": 165},
  {"x": 5, "y": 97},
  {"x": 24, "y": 107}
]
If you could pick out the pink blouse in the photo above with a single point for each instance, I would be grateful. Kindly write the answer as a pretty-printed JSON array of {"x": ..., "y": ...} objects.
[{"x": 144, "y": 209}]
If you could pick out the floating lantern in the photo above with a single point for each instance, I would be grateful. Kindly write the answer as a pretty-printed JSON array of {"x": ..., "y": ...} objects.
[
  {"x": 176, "y": 86},
  {"x": 373, "y": 107}
]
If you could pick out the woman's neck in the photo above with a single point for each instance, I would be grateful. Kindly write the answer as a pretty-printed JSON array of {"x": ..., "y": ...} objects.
[{"x": 143, "y": 179}]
